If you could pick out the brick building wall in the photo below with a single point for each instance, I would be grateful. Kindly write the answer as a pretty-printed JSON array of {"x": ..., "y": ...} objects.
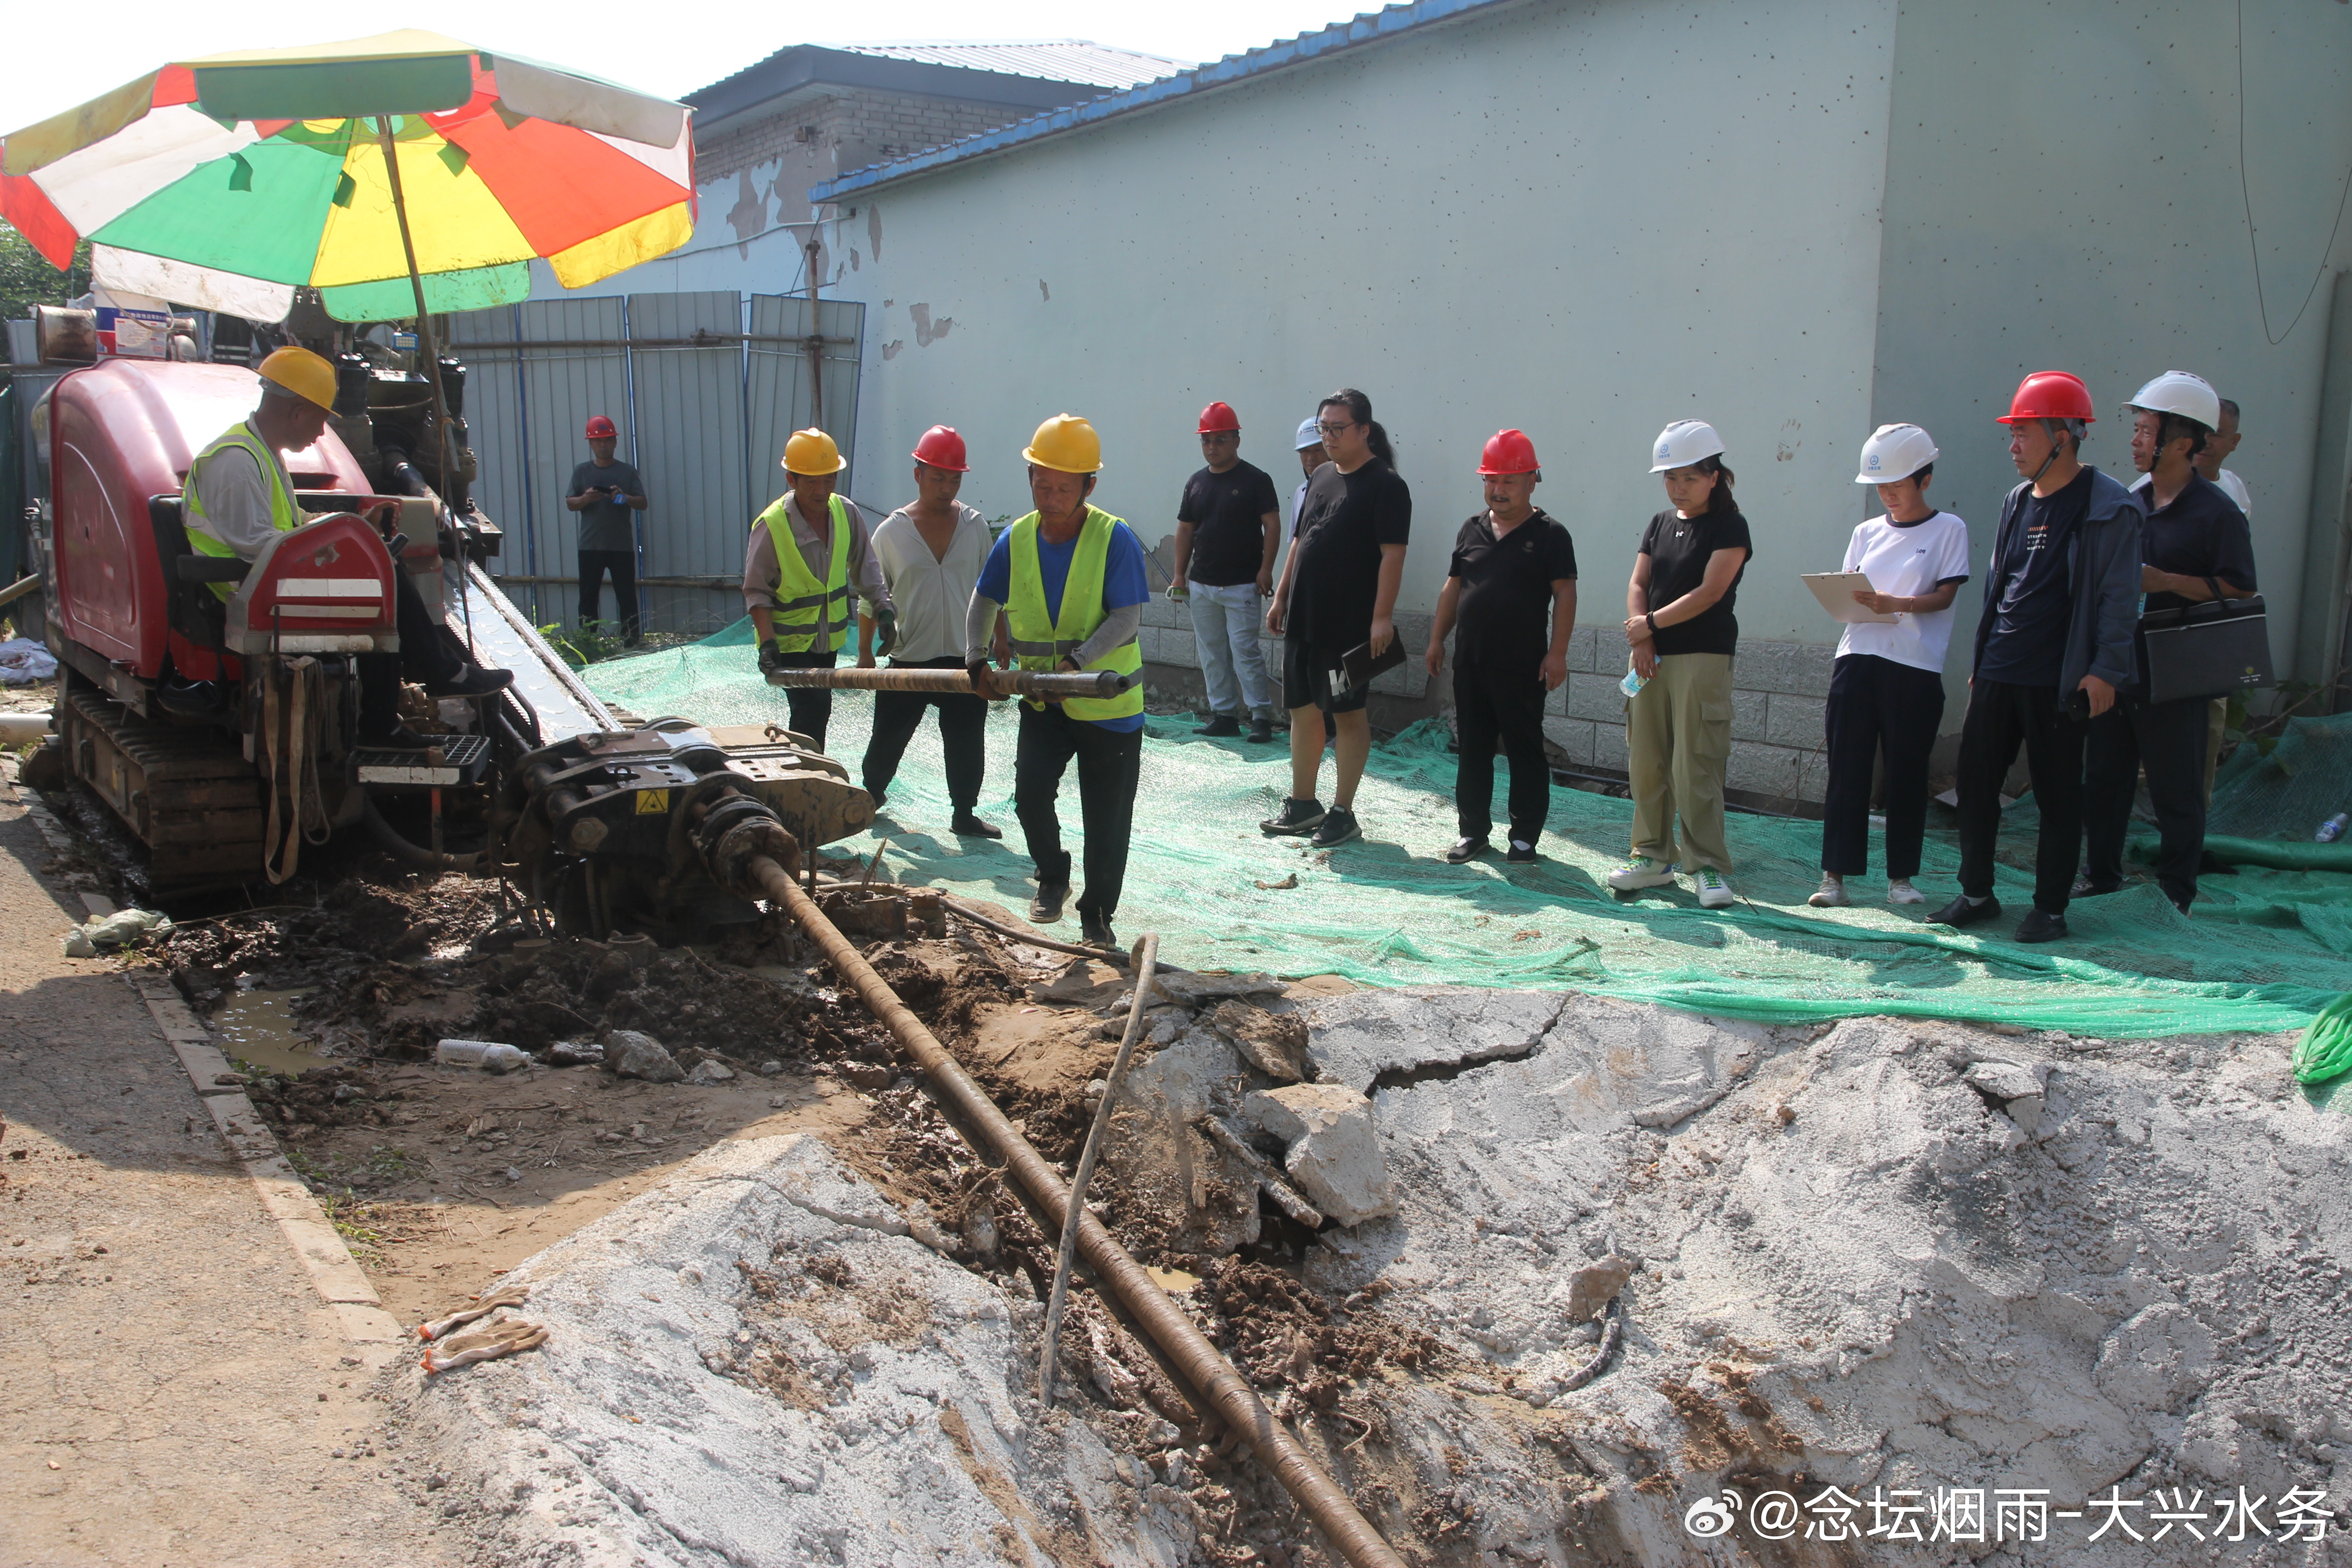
[{"x": 848, "y": 131}]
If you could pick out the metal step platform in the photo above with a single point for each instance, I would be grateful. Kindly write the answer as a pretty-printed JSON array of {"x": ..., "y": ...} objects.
[{"x": 464, "y": 759}]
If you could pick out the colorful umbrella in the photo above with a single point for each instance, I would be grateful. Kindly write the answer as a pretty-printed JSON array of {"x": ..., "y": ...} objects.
[{"x": 353, "y": 168}]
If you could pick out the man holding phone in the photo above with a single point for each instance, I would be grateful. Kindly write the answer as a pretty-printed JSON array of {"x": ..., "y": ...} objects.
[{"x": 604, "y": 492}]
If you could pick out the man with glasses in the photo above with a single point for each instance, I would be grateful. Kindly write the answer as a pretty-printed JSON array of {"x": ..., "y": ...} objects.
[{"x": 1228, "y": 529}]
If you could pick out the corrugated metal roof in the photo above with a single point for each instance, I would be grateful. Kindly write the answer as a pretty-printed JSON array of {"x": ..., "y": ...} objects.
[
  {"x": 1306, "y": 48},
  {"x": 1054, "y": 59}
]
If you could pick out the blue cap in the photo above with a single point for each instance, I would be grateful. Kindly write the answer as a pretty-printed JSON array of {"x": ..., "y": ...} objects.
[{"x": 1309, "y": 434}]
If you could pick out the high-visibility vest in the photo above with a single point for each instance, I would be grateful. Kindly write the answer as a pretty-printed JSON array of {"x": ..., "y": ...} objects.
[
  {"x": 1041, "y": 642},
  {"x": 284, "y": 515},
  {"x": 799, "y": 598}
]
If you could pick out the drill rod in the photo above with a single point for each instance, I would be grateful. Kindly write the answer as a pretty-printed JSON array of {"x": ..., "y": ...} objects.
[{"x": 1096, "y": 683}]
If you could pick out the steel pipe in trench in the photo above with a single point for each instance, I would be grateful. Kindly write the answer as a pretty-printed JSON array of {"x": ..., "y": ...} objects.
[
  {"x": 951, "y": 682},
  {"x": 1220, "y": 1386}
]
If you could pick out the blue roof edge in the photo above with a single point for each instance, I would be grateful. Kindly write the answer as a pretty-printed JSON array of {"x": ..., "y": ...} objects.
[{"x": 1368, "y": 28}]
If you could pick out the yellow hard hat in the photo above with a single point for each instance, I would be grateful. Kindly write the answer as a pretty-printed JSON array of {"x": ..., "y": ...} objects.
[
  {"x": 303, "y": 373},
  {"x": 1068, "y": 444},
  {"x": 811, "y": 451}
]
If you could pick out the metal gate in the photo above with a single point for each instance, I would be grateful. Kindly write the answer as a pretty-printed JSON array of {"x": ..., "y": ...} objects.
[{"x": 705, "y": 387}]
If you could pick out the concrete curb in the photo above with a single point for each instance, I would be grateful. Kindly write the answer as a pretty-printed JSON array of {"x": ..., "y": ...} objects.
[{"x": 324, "y": 1254}]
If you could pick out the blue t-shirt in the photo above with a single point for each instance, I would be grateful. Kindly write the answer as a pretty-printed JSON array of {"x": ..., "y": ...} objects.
[{"x": 1124, "y": 582}]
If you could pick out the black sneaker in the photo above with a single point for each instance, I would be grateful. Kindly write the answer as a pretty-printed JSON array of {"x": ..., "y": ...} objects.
[
  {"x": 471, "y": 680},
  {"x": 971, "y": 827},
  {"x": 1295, "y": 820},
  {"x": 1095, "y": 932},
  {"x": 2084, "y": 887},
  {"x": 1261, "y": 730},
  {"x": 1961, "y": 912},
  {"x": 1520, "y": 853},
  {"x": 1338, "y": 826},
  {"x": 2041, "y": 925},
  {"x": 1046, "y": 907},
  {"x": 1220, "y": 726},
  {"x": 1465, "y": 850}
]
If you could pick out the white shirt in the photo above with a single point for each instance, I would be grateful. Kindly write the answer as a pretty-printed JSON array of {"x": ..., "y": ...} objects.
[
  {"x": 1912, "y": 561},
  {"x": 931, "y": 595},
  {"x": 2231, "y": 486}
]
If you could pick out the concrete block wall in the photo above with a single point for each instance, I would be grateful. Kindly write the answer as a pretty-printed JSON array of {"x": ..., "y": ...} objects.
[{"x": 1171, "y": 666}]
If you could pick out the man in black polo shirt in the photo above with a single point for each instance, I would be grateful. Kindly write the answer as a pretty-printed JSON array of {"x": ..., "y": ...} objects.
[
  {"x": 1511, "y": 600},
  {"x": 2194, "y": 545},
  {"x": 1227, "y": 528}
]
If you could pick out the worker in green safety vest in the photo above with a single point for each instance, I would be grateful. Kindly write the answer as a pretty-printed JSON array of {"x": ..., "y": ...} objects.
[
  {"x": 1070, "y": 580},
  {"x": 809, "y": 553},
  {"x": 238, "y": 498}
]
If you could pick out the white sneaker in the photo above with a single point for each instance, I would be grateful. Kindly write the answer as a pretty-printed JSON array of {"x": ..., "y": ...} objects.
[
  {"x": 1901, "y": 891},
  {"x": 1641, "y": 871},
  {"x": 1831, "y": 894},
  {"x": 1714, "y": 892}
]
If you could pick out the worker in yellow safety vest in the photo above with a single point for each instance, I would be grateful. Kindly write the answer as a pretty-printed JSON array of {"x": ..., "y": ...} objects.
[
  {"x": 1070, "y": 580},
  {"x": 238, "y": 498},
  {"x": 809, "y": 553}
]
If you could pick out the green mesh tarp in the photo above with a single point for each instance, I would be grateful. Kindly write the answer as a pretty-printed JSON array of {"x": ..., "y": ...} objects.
[{"x": 2265, "y": 950}]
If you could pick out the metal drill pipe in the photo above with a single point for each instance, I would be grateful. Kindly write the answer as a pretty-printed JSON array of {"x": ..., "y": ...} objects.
[
  {"x": 1098, "y": 683},
  {"x": 1221, "y": 1387}
]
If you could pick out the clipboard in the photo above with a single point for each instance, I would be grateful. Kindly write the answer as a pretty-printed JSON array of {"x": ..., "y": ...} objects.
[
  {"x": 1357, "y": 666},
  {"x": 1836, "y": 590}
]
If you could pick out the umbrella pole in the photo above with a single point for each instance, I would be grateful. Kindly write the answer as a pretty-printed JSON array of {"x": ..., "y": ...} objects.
[{"x": 442, "y": 457}]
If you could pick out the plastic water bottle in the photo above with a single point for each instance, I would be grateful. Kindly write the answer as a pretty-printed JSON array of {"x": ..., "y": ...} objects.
[
  {"x": 487, "y": 1054},
  {"x": 1632, "y": 683},
  {"x": 2333, "y": 828}
]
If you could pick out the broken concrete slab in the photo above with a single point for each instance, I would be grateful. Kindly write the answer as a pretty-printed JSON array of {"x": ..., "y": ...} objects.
[
  {"x": 1358, "y": 1038},
  {"x": 1185, "y": 988},
  {"x": 1273, "y": 1043},
  {"x": 1335, "y": 1153},
  {"x": 753, "y": 1366},
  {"x": 632, "y": 1054}
]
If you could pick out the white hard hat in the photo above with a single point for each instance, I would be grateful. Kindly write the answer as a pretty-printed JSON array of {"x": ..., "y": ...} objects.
[
  {"x": 1895, "y": 452},
  {"x": 2180, "y": 391},
  {"x": 1684, "y": 442},
  {"x": 1311, "y": 434}
]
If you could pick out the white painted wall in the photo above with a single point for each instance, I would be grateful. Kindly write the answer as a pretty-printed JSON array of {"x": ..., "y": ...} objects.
[
  {"x": 2064, "y": 193},
  {"x": 1584, "y": 219}
]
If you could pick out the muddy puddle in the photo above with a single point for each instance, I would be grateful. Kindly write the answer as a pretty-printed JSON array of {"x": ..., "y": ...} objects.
[{"x": 258, "y": 1026}]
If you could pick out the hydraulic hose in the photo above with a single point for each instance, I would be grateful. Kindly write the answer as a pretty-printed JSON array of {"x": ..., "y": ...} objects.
[
  {"x": 388, "y": 837},
  {"x": 1220, "y": 1386}
]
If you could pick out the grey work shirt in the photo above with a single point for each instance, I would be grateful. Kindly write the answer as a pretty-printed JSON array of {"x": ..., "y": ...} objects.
[
  {"x": 931, "y": 593},
  {"x": 235, "y": 499},
  {"x": 608, "y": 523},
  {"x": 761, "y": 576}
]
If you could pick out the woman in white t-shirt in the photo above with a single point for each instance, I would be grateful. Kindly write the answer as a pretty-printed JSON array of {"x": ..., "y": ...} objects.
[{"x": 1886, "y": 692}]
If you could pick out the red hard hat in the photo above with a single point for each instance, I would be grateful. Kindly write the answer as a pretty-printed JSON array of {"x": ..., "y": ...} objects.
[
  {"x": 2050, "y": 395},
  {"x": 1509, "y": 452},
  {"x": 600, "y": 425},
  {"x": 941, "y": 448},
  {"x": 1218, "y": 416}
]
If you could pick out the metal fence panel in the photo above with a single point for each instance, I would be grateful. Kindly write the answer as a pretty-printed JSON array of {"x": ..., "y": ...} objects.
[
  {"x": 689, "y": 404},
  {"x": 782, "y": 398}
]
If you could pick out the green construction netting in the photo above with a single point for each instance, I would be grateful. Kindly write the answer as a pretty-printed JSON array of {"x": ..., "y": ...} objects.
[{"x": 2266, "y": 950}]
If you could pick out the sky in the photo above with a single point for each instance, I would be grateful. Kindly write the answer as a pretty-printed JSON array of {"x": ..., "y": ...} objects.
[{"x": 605, "y": 38}]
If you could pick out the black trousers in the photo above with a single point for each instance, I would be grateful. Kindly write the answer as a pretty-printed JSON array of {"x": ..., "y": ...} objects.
[
  {"x": 2168, "y": 739},
  {"x": 1111, "y": 762},
  {"x": 1501, "y": 699},
  {"x": 963, "y": 724},
  {"x": 623, "y": 565},
  {"x": 2003, "y": 717},
  {"x": 811, "y": 708},
  {"x": 1878, "y": 706},
  {"x": 424, "y": 656}
]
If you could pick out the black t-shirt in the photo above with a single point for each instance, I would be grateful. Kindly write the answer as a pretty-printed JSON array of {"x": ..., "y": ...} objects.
[
  {"x": 2034, "y": 597},
  {"x": 1228, "y": 512},
  {"x": 1505, "y": 612},
  {"x": 1679, "y": 548},
  {"x": 1348, "y": 518},
  {"x": 2202, "y": 535}
]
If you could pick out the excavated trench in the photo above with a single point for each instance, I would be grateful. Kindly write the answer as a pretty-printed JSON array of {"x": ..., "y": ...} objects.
[{"x": 1892, "y": 1266}]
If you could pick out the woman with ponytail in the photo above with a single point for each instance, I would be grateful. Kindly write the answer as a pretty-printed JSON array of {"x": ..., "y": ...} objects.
[{"x": 1337, "y": 592}]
